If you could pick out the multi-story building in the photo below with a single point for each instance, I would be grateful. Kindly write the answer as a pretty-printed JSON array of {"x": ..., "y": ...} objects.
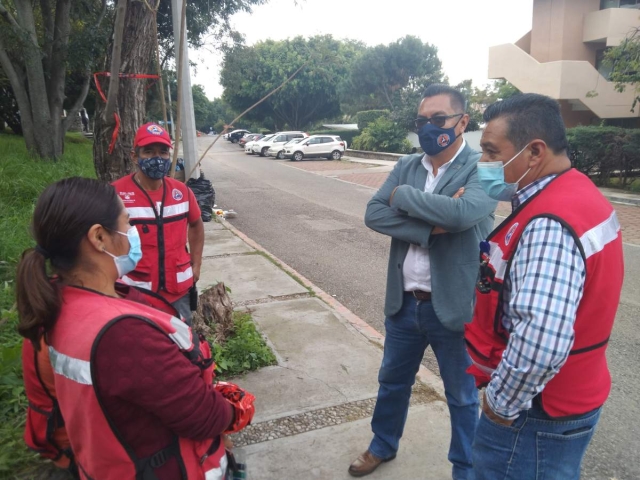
[{"x": 562, "y": 57}]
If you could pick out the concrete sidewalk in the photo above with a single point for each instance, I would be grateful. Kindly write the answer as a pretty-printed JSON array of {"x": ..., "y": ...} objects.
[{"x": 313, "y": 409}]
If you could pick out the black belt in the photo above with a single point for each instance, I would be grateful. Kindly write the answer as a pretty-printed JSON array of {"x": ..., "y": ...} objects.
[{"x": 420, "y": 295}]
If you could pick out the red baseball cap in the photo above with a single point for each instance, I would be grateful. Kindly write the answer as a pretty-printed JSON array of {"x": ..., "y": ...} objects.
[{"x": 151, "y": 133}]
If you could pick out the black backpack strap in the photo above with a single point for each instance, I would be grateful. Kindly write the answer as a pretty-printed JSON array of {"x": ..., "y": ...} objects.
[{"x": 145, "y": 467}]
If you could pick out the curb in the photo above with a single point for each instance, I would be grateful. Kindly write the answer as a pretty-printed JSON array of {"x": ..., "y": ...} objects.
[
  {"x": 634, "y": 202},
  {"x": 424, "y": 375}
]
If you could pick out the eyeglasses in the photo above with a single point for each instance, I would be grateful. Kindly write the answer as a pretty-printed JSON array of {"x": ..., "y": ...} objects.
[{"x": 437, "y": 120}]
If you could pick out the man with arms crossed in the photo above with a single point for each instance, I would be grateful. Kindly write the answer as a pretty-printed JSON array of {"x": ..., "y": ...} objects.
[{"x": 435, "y": 230}]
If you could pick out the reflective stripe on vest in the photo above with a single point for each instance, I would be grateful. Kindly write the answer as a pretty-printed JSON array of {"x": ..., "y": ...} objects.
[
  {"x": 594, "y": 240},
  {"x": 72, "y": 368},
  {"x": 217, "y": 473},
  {"x": 80, "y": 370},
  {"x": 135, "y": 283},
  {"x": 139, "y": 213}
]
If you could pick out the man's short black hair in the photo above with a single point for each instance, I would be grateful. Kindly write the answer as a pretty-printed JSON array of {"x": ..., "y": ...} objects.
[
  {"x": 458, "y": 102},
  {"x": 530, "y": 116}
]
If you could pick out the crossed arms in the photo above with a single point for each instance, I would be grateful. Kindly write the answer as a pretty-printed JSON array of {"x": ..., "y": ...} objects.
[{"x": 412, "y": 215}]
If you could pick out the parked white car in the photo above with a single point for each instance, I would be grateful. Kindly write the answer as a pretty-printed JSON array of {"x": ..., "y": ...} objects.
[
  {"x": 248, "y": 148},
  {"x": 278, "y": 150},
  {"x": 331, "y": 147},
  {"x": 277, "y": 141}
]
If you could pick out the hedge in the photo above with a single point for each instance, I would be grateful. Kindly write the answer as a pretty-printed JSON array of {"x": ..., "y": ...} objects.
[{"x": 605, "y": 152}]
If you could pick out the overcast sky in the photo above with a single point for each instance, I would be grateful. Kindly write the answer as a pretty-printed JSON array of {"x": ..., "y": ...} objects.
[{"x": 463, "y": 30}]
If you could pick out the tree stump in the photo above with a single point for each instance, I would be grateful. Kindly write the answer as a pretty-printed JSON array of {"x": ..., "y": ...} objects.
[{"x": 214, "y": 317}]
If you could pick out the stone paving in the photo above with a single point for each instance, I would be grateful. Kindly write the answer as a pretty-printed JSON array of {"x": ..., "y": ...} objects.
[
  {"x": 324, "y": 165},
  {"x": 629, "y": 215}
]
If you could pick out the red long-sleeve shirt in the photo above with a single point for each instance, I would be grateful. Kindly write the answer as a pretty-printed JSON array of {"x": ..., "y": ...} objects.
[{"x": 151, "y": 392}]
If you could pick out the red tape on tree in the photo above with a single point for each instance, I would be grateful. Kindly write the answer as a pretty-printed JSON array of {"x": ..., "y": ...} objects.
[{"x": 116, "y": 117}]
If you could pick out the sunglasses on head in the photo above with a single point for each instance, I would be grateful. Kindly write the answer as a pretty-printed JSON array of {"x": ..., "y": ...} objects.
[{"x": 437, "y": 120}]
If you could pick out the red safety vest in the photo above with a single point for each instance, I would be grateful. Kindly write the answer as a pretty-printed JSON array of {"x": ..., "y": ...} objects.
[
  {"x": 165, "y": 263},
  {"x": 44, "y": 430},
  {"x": 583, "y": 382},
  {"x": 98, "y": 451}
]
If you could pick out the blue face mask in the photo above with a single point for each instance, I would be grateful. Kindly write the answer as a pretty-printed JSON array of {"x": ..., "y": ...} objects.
[
  {"x": 127, "y": 263},
  {"x": 435, "y": 140},
  {"x": 491, "y": 178},
  {"x": 155, "y": 167}
]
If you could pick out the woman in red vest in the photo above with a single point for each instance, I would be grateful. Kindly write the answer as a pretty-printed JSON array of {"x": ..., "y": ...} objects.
[{"x": 127, "y": 379}]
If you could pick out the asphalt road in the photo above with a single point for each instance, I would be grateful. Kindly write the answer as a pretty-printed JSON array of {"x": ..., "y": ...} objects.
[{"x": 314, "y": 224}]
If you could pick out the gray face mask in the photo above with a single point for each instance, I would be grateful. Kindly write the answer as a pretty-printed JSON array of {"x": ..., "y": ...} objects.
[{"x": 155, "y": 167}]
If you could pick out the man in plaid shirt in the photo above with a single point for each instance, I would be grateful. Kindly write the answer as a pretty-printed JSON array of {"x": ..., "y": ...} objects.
[{"x": 547, "y": 294}]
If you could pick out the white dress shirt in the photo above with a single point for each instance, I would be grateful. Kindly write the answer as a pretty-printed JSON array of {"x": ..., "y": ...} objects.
[{"x": 417, "y": 266}]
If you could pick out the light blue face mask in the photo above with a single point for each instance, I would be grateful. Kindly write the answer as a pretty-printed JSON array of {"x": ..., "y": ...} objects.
[
  {"x": 127, "y": 263},
  {"x": 491, "y": 178}
]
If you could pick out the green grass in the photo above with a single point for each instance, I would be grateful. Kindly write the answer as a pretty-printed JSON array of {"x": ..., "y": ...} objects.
[
  {"x": 244, "y": 351},
  {"x": 22, "y": 179}
]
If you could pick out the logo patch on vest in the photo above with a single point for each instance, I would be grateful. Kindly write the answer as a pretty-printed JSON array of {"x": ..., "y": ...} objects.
[
  {"x": 127, "y": 196},
  {"x": 176, "y": 194},
  {"x": 154, "y": 130},
  {"x": 444, "y": 140},
  {"x": 510, "y": 233}
]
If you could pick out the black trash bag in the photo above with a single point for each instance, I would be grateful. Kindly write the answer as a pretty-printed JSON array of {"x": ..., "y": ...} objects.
[{"x": 205, "y": 195}]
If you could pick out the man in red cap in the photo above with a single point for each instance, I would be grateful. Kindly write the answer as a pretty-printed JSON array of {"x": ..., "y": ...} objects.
[{"x": 167, "y": 216}]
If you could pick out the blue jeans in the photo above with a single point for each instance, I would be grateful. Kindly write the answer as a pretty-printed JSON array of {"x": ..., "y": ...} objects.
[
  {"x": 408, "y": 333},
  {"x": 534, "y": 447}
]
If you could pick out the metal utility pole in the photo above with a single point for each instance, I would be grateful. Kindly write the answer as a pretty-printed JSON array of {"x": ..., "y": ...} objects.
[
  {"x": 188, "y": 121},
  {"x": 173, "y": 127}
]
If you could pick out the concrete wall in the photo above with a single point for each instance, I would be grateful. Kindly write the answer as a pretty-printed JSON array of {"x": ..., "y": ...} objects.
[
  {"x": 557, "y": 30},
  {"x": 609, "y": 27},
  {"x": 576, "y": 81}
]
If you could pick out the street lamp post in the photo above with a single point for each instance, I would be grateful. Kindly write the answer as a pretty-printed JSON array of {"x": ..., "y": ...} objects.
[{"x": 188, "y": 121}]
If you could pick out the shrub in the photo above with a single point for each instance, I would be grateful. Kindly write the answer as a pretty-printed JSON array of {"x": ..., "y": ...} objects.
[
  {"x": 383, "y": 135},
  {"x": 604, "y": 152},
  {"x": 244, "y": 350},
  {"x": 366, "y": 117}
]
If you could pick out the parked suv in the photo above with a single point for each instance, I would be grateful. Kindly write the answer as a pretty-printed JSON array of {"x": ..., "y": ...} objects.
[
  {"x": 277, "y": 141},
  {"x": 331, "y": 147}
]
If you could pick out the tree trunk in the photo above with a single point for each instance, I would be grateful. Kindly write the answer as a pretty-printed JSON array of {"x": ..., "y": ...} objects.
[
  {"x": 214, "y": 317},
  {"x": 58, "y": 72},
  {"x": 137, "y": 54},
  {"x": 43, "y": 132}
]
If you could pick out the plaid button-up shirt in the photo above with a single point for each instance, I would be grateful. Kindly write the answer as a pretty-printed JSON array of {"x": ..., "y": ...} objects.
[{"x": 541, "y": 298}]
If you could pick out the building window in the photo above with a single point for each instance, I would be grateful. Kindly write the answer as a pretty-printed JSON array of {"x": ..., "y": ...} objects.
[
  {"x": 619, "y": 4},
  {"x": 603, "y": 68}
]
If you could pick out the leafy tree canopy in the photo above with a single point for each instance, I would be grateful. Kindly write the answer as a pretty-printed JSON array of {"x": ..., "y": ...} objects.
[{"x": 250, "y": 73}]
